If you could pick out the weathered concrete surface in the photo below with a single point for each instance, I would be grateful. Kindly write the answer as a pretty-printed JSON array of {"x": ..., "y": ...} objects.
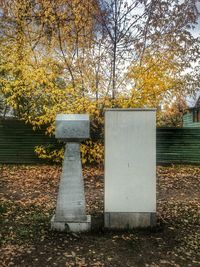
[
  {"x": 130, "y": 167},
  {"x": 72, "y": 226},
  {"x": 129, "y": 220},
  {"x": 72, "y": 127},
  {"x": 70, "y": 212}
]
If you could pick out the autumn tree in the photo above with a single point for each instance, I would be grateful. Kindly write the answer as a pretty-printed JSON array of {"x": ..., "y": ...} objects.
[
  {"x": 168, "y": 54},
  {"x": 80, "y": 56},
  {"x": 48, "y": 40},
  {"x": 172, "y": 114},
  {"x": 157, "y": 79},
  {"x": 94, "y": 42}
]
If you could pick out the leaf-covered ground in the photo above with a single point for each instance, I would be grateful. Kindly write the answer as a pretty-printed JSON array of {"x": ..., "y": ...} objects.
[{"x": 27, "y": 202}]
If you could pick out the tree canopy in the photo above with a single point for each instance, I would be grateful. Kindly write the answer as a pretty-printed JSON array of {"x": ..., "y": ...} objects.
[{"x": 80, "y": 56}]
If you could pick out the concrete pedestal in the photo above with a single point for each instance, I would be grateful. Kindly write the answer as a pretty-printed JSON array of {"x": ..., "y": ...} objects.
[
  {"x": 70, "y": 212},
  {"x": 129, "y": 220},
  {"x": 68, "y": 226}
]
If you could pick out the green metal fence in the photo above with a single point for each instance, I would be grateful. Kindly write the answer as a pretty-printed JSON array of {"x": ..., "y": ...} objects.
[
  {"x": 18, "y": 141},
  {"x": 178, "y": 145}
]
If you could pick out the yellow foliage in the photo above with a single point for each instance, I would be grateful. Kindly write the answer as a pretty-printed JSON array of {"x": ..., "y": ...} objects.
[
  {"x": 47, "y": 67},
  {"x": 55, "y": 155},
  {"x": 91, "y": 152},
  {"x": 156, "y": 79}
]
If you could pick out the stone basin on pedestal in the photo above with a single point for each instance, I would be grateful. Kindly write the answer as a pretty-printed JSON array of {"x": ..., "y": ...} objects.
[{"x": 70, "y": 214}]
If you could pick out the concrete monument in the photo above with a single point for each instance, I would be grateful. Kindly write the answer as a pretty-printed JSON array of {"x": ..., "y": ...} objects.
[
  {"x": 70, "y": 212},
  {"x": 130, "y": 168}
]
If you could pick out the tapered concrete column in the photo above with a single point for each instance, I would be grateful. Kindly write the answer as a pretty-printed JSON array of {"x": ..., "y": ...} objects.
[
  {"x": 70, "y": 214},
  {"x": 71, "y": 198}
]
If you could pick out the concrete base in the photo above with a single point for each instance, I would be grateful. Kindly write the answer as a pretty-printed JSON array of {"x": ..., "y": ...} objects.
[
  {"x": 76, "y": 227},
  {"x": 129, "y": 220}
]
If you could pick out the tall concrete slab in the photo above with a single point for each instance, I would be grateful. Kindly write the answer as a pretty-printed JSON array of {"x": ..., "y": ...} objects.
[{"x": 130, "y": 168}]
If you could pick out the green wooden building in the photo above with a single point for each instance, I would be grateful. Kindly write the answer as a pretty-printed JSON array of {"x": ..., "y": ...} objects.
[{"x": 192, "y": 117}]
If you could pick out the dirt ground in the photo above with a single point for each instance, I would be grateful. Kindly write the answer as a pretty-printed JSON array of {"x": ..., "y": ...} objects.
[{"x": 27, "y": 202}]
